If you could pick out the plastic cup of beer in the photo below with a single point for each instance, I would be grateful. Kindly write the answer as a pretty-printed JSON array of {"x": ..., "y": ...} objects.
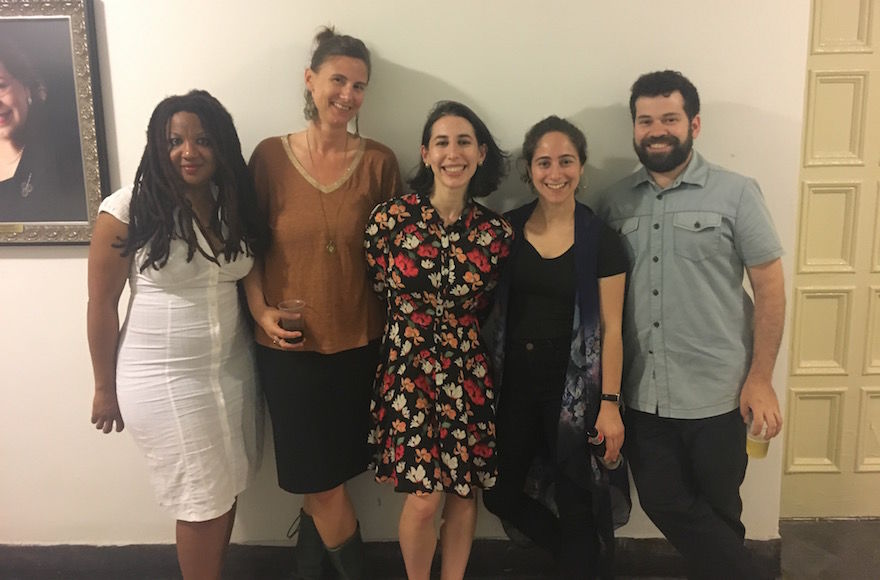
[
  {"x": 757, "y": 445},
  {"x": 294, "y": 306}
]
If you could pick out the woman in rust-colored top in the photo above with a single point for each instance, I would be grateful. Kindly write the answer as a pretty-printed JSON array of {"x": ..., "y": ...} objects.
[{"x": 317, "y": 188}]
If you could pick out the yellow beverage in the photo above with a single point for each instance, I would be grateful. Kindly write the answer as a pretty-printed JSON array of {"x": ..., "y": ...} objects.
[{"x": 756, "y": 447}]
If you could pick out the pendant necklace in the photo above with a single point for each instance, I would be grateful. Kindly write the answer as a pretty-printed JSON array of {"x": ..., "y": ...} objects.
[{"x": 331, "y": 244}]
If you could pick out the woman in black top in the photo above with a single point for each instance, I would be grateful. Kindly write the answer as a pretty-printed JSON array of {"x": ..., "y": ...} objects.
[{"x": 558, "y": 341}]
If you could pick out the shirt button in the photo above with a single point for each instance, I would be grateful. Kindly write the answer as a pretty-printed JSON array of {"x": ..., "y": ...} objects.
[
  {"x": 530, "y": 346},
  {"x": 696, "y": 224},
  {"x": 659, "y": 196},
  {"x": 651, "y": 351},
  {"x": 656, "y": 226},
  {"x": 656, "y": 325},
  {"x": 656, "y": 259},
  {"x": 656, "y": 292}
]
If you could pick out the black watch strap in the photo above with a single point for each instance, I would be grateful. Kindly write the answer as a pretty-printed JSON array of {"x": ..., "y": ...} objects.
[{"x": 614, "y": 397}]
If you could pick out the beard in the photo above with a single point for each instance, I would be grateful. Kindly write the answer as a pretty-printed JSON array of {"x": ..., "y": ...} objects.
[{"x": 663, "y": 162}]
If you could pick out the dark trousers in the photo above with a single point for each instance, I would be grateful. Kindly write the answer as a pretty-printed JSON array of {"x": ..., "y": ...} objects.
[
  {"x": 688, "y": 473},
  {"x": 528, "y": 419}
]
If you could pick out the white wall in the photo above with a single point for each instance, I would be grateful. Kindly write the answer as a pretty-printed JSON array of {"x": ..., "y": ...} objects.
[{"x": 514, "y": 61}]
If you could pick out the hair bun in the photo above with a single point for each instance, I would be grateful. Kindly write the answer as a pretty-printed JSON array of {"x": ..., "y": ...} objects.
[{"x": 325, "y": 34}]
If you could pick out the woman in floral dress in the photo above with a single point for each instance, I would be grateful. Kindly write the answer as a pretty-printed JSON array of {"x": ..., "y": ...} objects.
[{"x": 434, "y": 256}]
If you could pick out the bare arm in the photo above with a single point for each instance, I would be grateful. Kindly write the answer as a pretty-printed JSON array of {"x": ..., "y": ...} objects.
[
  {"x": 758, "y": 396},
  {"x": 268, "y": 317},
  {"x": 108, "y": 271},
  {"x": 609, "y": 423}
]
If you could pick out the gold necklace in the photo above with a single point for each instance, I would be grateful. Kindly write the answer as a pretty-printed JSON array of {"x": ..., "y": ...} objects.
[{"x": 331, "y": 244}]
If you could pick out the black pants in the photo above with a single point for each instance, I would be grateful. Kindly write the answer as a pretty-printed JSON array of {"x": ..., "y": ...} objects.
[
  {"x": 688, "y": 473},
  {"x": 527, "y": 424}
]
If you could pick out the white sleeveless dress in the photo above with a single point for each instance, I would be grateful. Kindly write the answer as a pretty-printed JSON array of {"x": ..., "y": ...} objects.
[{"x": 185, "y": 377}]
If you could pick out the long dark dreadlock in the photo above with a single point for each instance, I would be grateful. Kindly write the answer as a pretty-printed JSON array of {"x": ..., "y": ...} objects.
[{"x": 160, "y": 210}]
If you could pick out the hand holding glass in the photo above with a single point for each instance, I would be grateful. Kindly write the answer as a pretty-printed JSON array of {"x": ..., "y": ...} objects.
[
  {"x": 757, "y": 445},
  {"x": 293, "y": 324}
]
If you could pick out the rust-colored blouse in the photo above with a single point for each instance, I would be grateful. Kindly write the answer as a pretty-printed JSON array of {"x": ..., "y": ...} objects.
[{"x": 305, "y": 218}]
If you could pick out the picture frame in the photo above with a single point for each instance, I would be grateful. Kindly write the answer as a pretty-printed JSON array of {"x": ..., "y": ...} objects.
[{"x": 52, "y": 120}]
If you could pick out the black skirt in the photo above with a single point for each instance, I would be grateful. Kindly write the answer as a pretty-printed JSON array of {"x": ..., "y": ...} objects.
[{"x": 320, "y": 410}]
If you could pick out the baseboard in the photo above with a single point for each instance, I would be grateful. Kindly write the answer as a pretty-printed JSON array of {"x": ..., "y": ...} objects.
[{"x": 489, "y": 559}]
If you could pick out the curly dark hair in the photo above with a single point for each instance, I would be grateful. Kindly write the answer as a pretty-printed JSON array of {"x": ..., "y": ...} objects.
[
  {"x": 551, "y": 124},
  {"x": 488, "y": 175},
  {"x": 160, "y": 210},
  {"x": 665, "y": 82}
]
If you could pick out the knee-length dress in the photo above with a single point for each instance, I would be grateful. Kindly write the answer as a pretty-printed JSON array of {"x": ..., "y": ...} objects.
[
  {"x": 433, "y": 421},
  {"x": 185, "y": 377}
]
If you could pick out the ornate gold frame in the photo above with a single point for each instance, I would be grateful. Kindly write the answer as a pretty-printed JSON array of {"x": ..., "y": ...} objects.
[{"x": 89, "y": 112}]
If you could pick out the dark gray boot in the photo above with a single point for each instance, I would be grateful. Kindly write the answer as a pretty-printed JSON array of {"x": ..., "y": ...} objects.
[
  {"x": 311, "y": 555},
  {"x": 348, "y": 558}
]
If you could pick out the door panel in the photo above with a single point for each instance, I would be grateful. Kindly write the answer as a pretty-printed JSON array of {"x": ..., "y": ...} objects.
[{"x": 832, "y": 439}]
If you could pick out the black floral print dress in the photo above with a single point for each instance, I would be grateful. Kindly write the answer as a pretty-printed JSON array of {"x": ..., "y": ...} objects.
[{"x": 433, "y": 418}]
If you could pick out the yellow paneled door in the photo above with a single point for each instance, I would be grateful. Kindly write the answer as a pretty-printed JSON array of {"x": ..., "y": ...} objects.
[{"x": 832, "y": 441}]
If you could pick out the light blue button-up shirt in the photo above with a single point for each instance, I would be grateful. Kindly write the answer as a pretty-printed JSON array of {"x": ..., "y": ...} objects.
[{"x": 687, "y": 319}]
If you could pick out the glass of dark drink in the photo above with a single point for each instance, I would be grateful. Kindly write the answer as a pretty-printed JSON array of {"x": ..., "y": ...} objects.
[{"x": 294, "y": 306}]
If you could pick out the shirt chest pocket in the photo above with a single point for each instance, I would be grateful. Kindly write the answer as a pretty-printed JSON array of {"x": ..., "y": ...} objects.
[{"x": 697, "y": 234}]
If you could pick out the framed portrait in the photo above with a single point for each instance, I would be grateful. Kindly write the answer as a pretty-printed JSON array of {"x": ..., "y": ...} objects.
[{"x": 53, "y": 162}]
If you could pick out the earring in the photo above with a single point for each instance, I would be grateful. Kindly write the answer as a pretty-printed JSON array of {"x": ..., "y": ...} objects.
[
  {"x": 427, "y": 166},
  {"x": 30, "y": 101}
]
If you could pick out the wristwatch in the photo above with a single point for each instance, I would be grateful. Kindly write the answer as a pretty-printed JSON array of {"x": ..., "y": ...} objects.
[{"x": 613, "y": 397}]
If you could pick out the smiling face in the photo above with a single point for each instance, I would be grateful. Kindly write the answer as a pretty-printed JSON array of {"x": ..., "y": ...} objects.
[
  {"x": 14, "y": 106},
  {"x": 555, "y": 169},
  {"x": 453, "y": 153},
  {"x": 338, "y": 88},
  {"x": 191, "y": 150},
  {"x": 663, "y": 136}
]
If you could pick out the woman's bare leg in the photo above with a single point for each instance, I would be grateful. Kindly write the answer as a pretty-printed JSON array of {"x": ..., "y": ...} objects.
[
  {"x": 418, "y": 540},
  {"x": 201, "y": 546},
  {"x": 457, "y": 535},
  {"x": 333, "y": 513}
]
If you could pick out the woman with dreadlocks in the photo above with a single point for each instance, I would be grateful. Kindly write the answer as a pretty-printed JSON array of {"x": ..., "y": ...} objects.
[{"x": 179, "y": 373}]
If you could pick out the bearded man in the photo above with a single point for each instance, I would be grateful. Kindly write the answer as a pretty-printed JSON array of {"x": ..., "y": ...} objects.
[{"x": 698, "y": 352}]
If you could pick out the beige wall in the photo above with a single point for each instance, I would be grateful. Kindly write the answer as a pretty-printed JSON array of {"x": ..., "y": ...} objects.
[{"x": 514, "y": 61}]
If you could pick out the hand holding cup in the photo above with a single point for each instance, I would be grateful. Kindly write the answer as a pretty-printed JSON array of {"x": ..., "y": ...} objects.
[
  {"x": 758, "y": 443},
  {"x": 292, "y": 320}
]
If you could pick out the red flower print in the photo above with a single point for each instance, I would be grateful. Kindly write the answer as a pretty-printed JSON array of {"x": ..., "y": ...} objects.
[
  {"x": 427, "y": 251},
  {"x": 421, "y": 382},
  {"x": 421, "y": 319},
  {"x": 482, "y": 450},
  {"x": 474, "y": 391},
  {"x": 406, "y": 265},
  {"x": 398, "y": 453},
  {"x": 479, "y": 259}
]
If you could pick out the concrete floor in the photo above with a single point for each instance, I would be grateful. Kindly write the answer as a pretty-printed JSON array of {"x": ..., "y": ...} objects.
[{"x": 810, "y": 549}]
